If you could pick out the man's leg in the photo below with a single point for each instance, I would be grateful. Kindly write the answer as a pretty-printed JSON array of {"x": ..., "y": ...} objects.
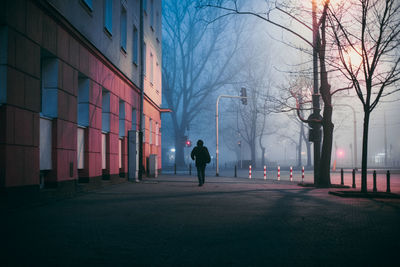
[
  {"x": 203, "y": 174},
  {"x": 199, "y": 177}
]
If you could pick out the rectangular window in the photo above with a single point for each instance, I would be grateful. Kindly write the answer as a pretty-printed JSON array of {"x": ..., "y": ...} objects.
[
  {"x": 81, "y": 148},
  {"x": 83, "y": 101},
  {"x": 157, "y": 133},
  {"x": 88, "y": 4},
  {"x": 108, "y": 15},
  {"x": 123, "y": 28},
  {"x": 151, "y": 68},
  {"x": 150, "y": 131},
  {"x": 105, "y": 111},
  {"x": 121, "y": 118},
  {"x": 134, "y": 123},
  {"x": 144, "y": 127},
  {"x": 144, "y": 59},
  {"x": 152, "y": 14},
  {"x": 120, "y": 153},
  {"x": 103, "y": 150},
  {"x": 135, "y": 40}
]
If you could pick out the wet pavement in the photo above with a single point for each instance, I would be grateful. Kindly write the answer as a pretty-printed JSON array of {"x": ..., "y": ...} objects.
[{"x": 170, "y": 221}]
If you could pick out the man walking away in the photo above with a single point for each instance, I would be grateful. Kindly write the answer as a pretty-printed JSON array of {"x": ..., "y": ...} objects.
[{"x": 200, "y": 153}]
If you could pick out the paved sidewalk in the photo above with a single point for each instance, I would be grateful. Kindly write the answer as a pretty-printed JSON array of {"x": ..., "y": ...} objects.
[{"x": 170, "y": 221}]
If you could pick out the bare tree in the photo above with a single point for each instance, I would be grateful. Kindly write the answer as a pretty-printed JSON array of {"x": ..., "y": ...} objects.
[
  {"x": 318, "y": 29},
  {"x": 367, "y": 35},
  {"x": 196, "y": 62}
]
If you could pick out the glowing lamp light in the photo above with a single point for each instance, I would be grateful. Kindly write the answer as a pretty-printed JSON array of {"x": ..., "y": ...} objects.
[
  {"x": 340, "y": 153},
  {"x": 172, "y": 149},
  {"x": 188, "y": 143}
]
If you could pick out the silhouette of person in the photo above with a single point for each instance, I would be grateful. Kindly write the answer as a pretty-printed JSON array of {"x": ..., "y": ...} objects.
[{"x": 200, "y": 153}]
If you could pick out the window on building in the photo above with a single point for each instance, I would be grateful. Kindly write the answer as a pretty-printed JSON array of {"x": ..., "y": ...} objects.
[
  {"x": 144, "y": 127},
  {"x": 157, "y": 20},
  {"x": 134, "y": 122},
  {"x": 135, "y": 40},
  {"x": 144, "y": 59},
  {"x": 88, "y": 4},
  {"x": 157, "y": 133},
  {"x": 83, "y": 101},
  {"x": 49, "y": 101},
  {"x": 152, "y": 14},
  {"x": 121, "y": 118},
  {"x": 108, "y": 15},
  {"x": 150, "y": 131},
  {"x": 151, "y": 68},
  {"x": 105, "y": 111},
  {"x": 123, "y": 28}
]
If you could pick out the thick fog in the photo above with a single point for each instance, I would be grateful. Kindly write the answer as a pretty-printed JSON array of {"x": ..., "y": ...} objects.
[{"x": 245, "y": 51}]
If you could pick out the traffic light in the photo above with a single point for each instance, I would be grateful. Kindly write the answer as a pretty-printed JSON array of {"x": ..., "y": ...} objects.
[
  {"x": 188, "y": 143},
  {"x": 243, "y": 94}
]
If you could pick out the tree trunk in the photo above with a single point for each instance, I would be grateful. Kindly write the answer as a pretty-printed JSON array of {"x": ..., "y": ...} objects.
[
  {"x": 179, "y": 148},
  {"x": 364, "y": 162},
  {"x": 300, "y": 144},
  {"x": 253, "y": 153},
  {"x": 325, "y": 163},
  {"x": 308, "y": 145},
  {"x": 262, "y": 156}
]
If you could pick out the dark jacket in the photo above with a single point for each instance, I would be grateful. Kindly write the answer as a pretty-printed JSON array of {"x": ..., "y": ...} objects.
[{"x": 201, "y": 154}]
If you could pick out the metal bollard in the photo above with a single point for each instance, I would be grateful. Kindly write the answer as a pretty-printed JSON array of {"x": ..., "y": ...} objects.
[
  {"x": 235, "y": 171},
  {"x": 341, "y": 177},
  {"x": 175, "y": 168},
  {"x": 388, "y": 181},
  {"x": 190, "y": 169},
  {"x": 354, "y": 179},
  {"x": 374, "y": 175}
]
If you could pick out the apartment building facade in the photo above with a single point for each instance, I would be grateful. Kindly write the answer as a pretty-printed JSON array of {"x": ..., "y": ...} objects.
[{"x": 71, "y": 79}]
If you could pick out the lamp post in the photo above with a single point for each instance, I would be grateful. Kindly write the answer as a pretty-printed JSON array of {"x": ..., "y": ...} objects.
[{"x": 216, "y": 128}]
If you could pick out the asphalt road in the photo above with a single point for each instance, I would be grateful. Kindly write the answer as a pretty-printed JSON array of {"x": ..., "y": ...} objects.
[{"x": 170, "y": 221}]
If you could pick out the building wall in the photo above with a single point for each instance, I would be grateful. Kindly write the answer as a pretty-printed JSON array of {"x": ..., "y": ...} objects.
[{"x": 31, "y": 34}]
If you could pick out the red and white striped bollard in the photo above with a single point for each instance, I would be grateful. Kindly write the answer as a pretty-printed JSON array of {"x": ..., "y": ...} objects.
[
  {"x": 265, "y": 172},
  {"x": 279, "y": 173},
  {"x": 302, "y": 174},
  {"x": 249, "y": 171},
  {"x": 291, "y": 174}
]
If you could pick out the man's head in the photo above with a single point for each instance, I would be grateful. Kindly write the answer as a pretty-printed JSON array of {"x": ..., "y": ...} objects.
[{"x": 200, "y": 142}]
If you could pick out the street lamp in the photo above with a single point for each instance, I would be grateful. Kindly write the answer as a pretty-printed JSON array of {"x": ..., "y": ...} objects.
[{"x": 243, "y": 95}]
